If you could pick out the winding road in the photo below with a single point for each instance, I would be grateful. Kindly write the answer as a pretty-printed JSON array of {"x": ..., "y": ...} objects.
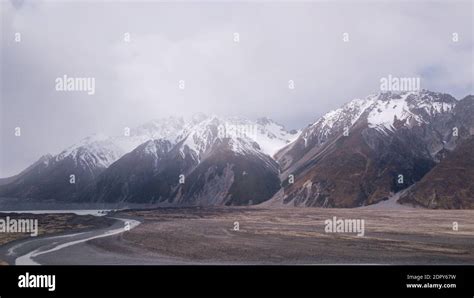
[{"x": 50, "y": 249}]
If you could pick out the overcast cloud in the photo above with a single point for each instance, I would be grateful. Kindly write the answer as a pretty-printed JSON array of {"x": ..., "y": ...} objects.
[{"x": 193, "y": 41}]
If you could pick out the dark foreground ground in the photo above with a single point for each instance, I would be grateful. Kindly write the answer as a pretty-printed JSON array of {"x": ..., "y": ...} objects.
[{"x": 296, "y": 236}]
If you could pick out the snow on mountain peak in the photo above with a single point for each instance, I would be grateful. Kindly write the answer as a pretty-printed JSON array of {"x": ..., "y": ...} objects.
[
  {"x": 272, "y": 136},
  {"x": 103, "y": 150},
  {"x": 347, "y": 114},
  {"x": 199, "y": 137},
  {"x": 409, "y": 108},
  {"x": 155, "y": 148},
  {"x": 383, "y": 110},
  {"x": 198, "y": 134},
  {"x": 269, "y": 135},
  {"x": 96, "y": 149},
  {"x": 93, "y": 141},
  {"x": 336, "y": 120}
]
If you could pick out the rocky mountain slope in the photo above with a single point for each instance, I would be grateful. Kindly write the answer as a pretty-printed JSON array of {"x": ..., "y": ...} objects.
[
  {"x": 449, "y": 185},
  {"x": 208, "y": 166},
  {"x": 370, "y": 148}
]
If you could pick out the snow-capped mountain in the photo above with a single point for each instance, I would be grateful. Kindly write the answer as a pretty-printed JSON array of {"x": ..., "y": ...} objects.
[
  {"x": 97, "y": 151},
  {"x": 269, "y": 135},
  {"x": 101, "y": 151},
  {"x": 95, "y": 159},
  {"x": 66, "y": 174},
  {"x": 390, "y": 110},
  {"x": 385, "y": 112},
  {"x": 210, "y": 155},
  {"x": 355, "y": 155}
]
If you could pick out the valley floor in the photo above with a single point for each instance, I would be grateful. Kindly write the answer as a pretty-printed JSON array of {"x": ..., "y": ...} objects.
[
  {"x": 269, "y": 236},
  {"x": 297, "y": 236}
]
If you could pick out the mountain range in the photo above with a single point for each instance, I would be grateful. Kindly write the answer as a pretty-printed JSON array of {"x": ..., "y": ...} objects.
[
  {"x": 364, "y": 152},
  {"x": 205, "y": 160}
]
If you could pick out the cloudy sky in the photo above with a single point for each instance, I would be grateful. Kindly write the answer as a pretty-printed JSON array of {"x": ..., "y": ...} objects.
[{"x": 194, "y": 41}]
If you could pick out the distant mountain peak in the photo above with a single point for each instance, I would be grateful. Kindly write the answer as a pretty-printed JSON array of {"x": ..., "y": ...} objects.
[
  {"x": 383, "y": 109},
  {"x": 408, "y": 108},
  {"x": 266, "y": 133}
]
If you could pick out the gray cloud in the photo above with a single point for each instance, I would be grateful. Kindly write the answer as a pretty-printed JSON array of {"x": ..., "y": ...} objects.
[{"x": 193, "y": 41}]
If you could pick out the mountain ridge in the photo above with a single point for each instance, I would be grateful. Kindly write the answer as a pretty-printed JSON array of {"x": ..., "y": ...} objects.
[{"x": 356, "y": 155}]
